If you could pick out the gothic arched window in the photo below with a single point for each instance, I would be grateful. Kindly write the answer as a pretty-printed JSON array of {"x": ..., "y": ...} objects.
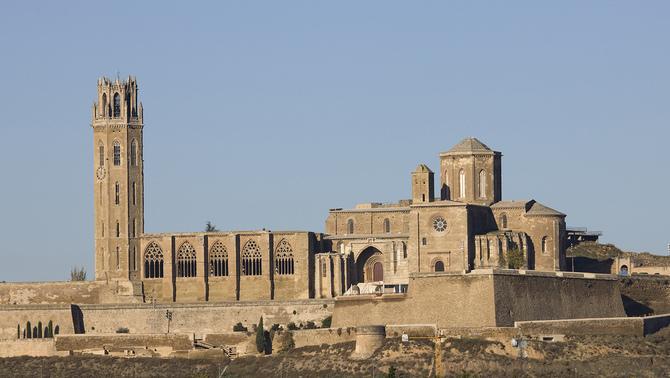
[
  {"x": 461, "y": 184},
  {"x": 117, "y": 105},
  {"x": 101, "y": 152},
  {"x": 482, "y": 184},
  {"x": 544, "y": 245},
  {"x": 503, "y": 220},
  {"x": 153, "y": 261},
  {"x": 117, "y": 153},
  {"x": 218, "y": 260},
  {"x": 252, "y": 259},
  {"x": 350, "y": 226},
  {"x": 284, "y": 264},
  {"x": 387, "y": 225},
  {"x": 104, "y": 104},
  {"x": 133, "y": 153},
  {"x": 186, "y": 263}
]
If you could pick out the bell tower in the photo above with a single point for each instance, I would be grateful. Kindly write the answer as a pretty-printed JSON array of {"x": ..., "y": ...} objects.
[{"x": 118, "y": 177}]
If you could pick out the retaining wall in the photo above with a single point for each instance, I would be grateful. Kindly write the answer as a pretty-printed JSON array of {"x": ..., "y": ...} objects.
[
  {"x": 198, "y": 318},
  {"x": 485, "y": 298}
]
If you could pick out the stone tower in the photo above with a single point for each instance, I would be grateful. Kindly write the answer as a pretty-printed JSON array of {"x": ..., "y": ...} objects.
[
  {"x": 471, "y": 172},
  {"x": 118, "y": 176},
  {"x": 422, "y": 184}
]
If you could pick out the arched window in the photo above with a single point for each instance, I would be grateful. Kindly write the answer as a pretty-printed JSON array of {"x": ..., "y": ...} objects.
[
  {"x": 284, "y": 264},
  {"x": 101, "y": 152},
  {"x": 544, "y": 245},
  {"x": 461, "y": 184},
  {"x": 350, "y": 226},
  {"x": 117, "y": 153},
  {"x": 186, "y": 264},
  {"x": 503, "y": 220},
  {"x": 153, "y": 261},
  {"x": 218, "y": 260},
  {"x": 252, "y": 261},
  {"x": 439, "y": 266},
  {"x": 117, "y": 189},
  {"x": 104, "y": 104},
  {"x": 482, "y": 184},
  {"x": 387, "y": 225},
  {"x": 117, "y": 105},
  {"x": 133, "y": 153}
]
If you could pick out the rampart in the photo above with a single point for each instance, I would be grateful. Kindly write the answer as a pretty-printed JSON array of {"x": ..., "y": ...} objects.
[
  {"x": 66, "y": 292},
  {"x": 641, "y": 326},
  {"x": 197, "y": 318},
  {"x": 485, "y": 298}
]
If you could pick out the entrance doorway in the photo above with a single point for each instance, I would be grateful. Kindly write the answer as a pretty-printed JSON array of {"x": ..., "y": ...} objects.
[{"x": 370, "y": 265}]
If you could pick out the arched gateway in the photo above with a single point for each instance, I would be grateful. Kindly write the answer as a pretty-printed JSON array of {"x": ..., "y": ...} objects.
[{"x": 370, "y": 265}]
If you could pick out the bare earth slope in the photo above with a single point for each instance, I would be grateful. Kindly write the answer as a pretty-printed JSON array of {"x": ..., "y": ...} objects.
[{"x": 581, "y": 356}]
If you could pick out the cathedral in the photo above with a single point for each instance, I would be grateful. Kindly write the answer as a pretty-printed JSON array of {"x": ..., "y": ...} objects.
[{"x": 468, "y": 226}]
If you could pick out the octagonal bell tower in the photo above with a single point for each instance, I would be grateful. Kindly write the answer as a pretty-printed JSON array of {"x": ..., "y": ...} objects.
[
  {"x": 118, "y": 176},
  {"x": 471, "y": 172}
]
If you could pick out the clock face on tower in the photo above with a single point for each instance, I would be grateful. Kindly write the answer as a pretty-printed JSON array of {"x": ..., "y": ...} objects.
[{"x": 100, "y": 173}]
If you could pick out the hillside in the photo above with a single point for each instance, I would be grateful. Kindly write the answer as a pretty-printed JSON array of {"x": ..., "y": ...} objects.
[{"x": 602, "y": 252}]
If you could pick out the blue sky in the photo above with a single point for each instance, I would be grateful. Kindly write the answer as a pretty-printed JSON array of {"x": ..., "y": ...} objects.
[{"x": 266, "y": 114}]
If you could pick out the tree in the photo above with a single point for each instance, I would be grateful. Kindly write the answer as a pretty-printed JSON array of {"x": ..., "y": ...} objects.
[
  {"x": 260, "y": 337},
  {"x": 514, "y": 258},
  {"x": 209, "y": 227},
  {"x": 78, "y": 274}
]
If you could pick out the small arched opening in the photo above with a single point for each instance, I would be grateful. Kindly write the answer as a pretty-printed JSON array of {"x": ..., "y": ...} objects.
[
  {"x": 623, "y": 271},
  {"x": 439, "y": 266}
]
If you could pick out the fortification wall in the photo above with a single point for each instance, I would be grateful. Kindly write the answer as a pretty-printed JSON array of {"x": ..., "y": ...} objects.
[
  {"x": 533, "y": 295},
  {"x": 576, "y": 327},
  {"x": 116, "y": 342},
  {"x": 596, "y": 326},
  {"x": 35, "y": 348},
  {"x": 307, "y": 337},
  {"x": 446, "y": 300},
  {"x": 66, "y": 292},
  {"x": 14, "y": 320},
  {"x": 485, "y": 298},
  {"x": 200, "y": 318}
]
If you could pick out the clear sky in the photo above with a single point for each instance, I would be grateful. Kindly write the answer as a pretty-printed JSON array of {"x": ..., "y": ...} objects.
[{"x": 267, "y": 114}]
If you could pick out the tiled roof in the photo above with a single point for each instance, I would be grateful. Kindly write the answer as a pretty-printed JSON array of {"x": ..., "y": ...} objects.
[
  {"x": 540, "y": 209},
  {"x": 469, "y": 145}
]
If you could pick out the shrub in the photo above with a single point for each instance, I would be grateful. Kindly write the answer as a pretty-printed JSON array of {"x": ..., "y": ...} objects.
[
  {"x": 514, "y": 258},
  {"x": 122, "y": 330},
  {"x": 239, "y": 328},
  {"x": 291, "y": 326},
  {"x": 327, "y": 322},
  {"x": 77, "y": 274},
  {"x": 260, "y": 338},
  {"x": 310, "y": 325}
]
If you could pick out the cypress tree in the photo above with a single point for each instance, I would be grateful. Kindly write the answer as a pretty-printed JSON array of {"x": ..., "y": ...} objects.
[{"x": 260, "y": 337}]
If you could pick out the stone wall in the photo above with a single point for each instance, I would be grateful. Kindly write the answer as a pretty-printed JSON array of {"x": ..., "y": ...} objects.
[
  {"x": 328, "y": 336},
  {"x": 66, "y": 292},
  {"x": 119, "y": 342},
  {"x": 549, "y": 295},
  {"x": 144, "y": 318},
  {"x": 596, "y": 326},
  {"x": 34, "y": 348},
  {"x": 577, "y": 327},
  {"x": 485, "y": 298}
]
